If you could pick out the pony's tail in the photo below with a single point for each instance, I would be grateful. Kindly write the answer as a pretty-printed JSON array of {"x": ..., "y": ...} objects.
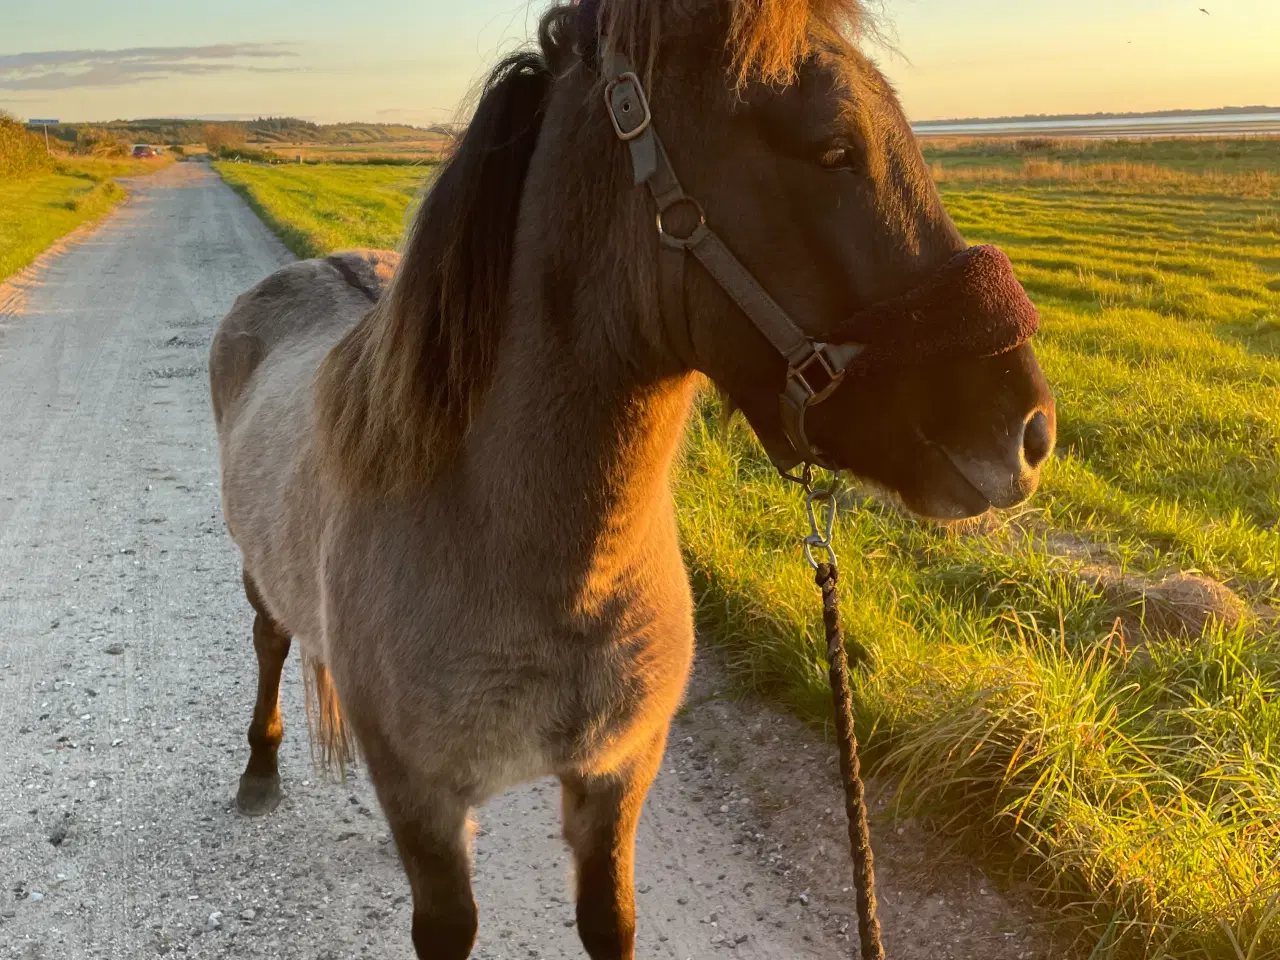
[{"x": 332, "y": 744}]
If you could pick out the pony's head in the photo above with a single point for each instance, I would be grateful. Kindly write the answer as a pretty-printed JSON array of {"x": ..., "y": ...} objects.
[{"x": 802, "y": 163}]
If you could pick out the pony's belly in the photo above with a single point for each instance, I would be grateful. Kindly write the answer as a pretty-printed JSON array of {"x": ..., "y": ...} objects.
[
  {"x": 564, "y": 726},
  {"x": 510, "y": 771},
  {"x": 586, "y": 713}
]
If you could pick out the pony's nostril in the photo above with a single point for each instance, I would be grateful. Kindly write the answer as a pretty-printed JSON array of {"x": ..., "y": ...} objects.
[{"x": 1037, "y": 441}]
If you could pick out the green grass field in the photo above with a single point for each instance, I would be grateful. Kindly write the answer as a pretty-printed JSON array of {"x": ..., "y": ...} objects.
[
  {"x": 318, "y": 208},
  {"x": 425, "y": 150},
  {"x": 1088, "y": 689},
  {"x": 36, "y": 211},
  {"x": 1191, "y": 155}
]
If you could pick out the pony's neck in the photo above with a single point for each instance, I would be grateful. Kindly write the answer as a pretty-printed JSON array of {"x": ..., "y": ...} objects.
[
  {"x": 581, "y": 456},
  {"x": 588, "y": 403}
]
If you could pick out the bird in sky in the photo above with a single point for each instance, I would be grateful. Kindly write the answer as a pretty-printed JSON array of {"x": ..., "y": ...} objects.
[{"x": 1204, "y": 11}]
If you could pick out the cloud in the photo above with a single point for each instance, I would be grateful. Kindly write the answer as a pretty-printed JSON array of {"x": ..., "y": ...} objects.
[{"x": 64, "y": 69}]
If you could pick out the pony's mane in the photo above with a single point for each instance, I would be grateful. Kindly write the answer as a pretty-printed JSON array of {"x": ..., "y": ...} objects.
[{"x": 395, "y": 397}]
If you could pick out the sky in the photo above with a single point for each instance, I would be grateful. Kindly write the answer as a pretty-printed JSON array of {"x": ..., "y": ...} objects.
[{"x": 413, "y": 61}]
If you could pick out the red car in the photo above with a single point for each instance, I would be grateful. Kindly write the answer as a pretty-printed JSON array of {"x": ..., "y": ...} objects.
[{"x": 142, "y": 150}]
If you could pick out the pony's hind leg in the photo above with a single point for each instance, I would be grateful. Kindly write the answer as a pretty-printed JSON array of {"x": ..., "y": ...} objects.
[
  {"x": 259, "y": 791},
  {"x": 600, "y": 817}
]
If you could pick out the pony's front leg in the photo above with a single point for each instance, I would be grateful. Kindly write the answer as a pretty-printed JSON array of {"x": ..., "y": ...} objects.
[
  {"x": 433, "y": 849},
  {"x": 600, "y": 817},
  {"x": 429, "y": 823}
]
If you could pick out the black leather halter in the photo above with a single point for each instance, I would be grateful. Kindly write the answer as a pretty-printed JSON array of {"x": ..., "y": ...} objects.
[
  {"x": 814, "y": 369},
  {"x": 972, "y": 306}
]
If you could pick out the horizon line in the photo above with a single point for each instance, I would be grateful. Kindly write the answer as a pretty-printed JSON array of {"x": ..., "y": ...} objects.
[{"x": 1029, "y": 117}]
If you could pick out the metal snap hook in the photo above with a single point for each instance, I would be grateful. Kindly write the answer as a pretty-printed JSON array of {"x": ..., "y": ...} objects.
[{"x": 820, "y": 505}]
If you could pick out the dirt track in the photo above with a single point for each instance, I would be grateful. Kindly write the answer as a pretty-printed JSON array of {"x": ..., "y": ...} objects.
[{"x": 127, "y": 671}]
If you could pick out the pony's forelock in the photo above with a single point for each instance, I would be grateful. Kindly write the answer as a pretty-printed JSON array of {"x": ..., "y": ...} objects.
[{"x": 765, "y": 40}]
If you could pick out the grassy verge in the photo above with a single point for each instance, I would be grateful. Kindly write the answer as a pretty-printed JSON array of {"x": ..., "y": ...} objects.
[
  {"x": 38, "y": 210},
  {"x": 316, "y": 209},
  {"x": 1043, "y": 683}
]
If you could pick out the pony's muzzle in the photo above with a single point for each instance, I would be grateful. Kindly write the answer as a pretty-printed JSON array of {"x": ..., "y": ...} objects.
[{"x": 1008, "y": 474}]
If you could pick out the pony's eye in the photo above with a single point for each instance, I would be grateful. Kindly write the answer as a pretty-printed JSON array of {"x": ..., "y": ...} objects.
[{"x": 838, "y": 157}]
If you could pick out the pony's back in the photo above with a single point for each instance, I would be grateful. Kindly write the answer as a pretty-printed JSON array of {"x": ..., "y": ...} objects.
[{"x": 307, "y": 298}]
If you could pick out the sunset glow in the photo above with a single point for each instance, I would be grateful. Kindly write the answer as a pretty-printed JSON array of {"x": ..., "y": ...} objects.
[{"x": 413, "y": 60}]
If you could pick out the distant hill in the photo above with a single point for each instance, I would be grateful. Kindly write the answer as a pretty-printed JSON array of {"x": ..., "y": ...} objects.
[
  {"x": 264, "y": 130},
  {"x": 292, "y": 130},
  {"x": 1049, "y": 117}
]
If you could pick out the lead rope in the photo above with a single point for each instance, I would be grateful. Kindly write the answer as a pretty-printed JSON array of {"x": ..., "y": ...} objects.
[{"x": 855, "y": 807}]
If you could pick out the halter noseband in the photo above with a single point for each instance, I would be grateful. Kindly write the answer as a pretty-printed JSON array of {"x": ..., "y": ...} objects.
[{"x": 978, "y": 283}]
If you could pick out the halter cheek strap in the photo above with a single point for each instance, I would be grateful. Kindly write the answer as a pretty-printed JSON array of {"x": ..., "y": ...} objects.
[
  {"x": 995, "y": 312},
  {"x": 813, "y": 369}
]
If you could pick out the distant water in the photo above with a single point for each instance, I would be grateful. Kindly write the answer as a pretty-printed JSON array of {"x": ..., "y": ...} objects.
[{"x": 1206, "y": 124}]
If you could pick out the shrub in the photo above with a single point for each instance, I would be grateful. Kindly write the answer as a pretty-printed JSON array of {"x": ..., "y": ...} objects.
[
  {"x": 99, "y": 142},
  {"x": 221, "y": 137},
  {"x": 1036, "y": 144},
  {"x": 21, "y": 153}
]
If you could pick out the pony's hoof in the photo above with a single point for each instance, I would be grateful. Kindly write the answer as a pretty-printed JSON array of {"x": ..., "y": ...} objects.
[{"x": 258, "y": 796}]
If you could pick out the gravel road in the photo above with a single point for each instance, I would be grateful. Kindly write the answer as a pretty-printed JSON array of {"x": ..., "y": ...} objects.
[{"x": 127, "y": 678}]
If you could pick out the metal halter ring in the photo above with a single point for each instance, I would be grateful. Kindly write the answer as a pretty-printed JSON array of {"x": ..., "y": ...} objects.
[
  {"x": 673, "y": 239},
  {"x": 803, "y": 479}
]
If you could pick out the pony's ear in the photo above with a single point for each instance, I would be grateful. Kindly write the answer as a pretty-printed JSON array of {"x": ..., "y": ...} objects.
[{"x": 569, "y": 34}]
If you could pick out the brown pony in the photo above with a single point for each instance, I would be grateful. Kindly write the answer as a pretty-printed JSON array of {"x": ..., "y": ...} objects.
[{"x": 448, "y": 473}]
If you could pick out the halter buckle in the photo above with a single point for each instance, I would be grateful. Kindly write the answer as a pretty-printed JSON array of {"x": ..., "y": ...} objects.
[{"x": 628, "y": 106}]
